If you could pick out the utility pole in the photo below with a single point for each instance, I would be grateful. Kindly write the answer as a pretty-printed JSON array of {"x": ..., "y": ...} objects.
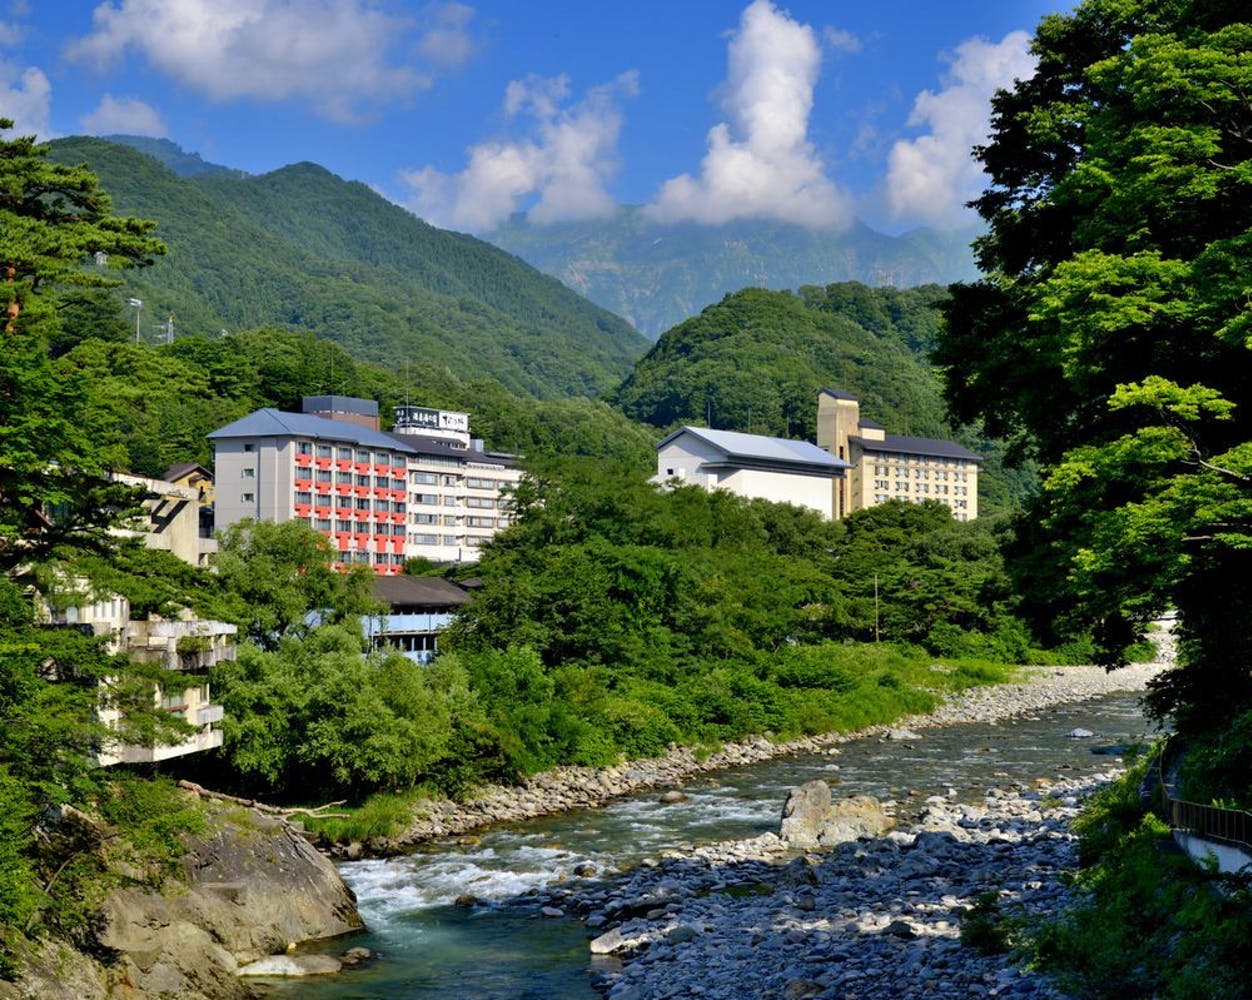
[
  {"x": 137, "y": 305},
  {"x": 875, "y": 607}
]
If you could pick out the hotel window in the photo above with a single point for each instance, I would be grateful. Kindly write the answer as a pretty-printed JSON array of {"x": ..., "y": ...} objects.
[
  {"x": 322, "y": 524},
  {"x": 344, "y": 453},
  {"x": 423, "y": 539},
  {"x": 362, "y": 503},
  {"x": 481, "y": 502},
  {"x": 923, "y": 474},
  {"x": 362, "y": 455},
  {"x": 481, "y": 522},
  {"x": 248, "y": 472},
  {"x": 343, "y": 525},
  {"x": 423, "y": 518},
  {"x": 923, "y": 487},
  {"x": 304, "y": 448},
  {"x": 429, "y": 499},
  {"x": 343, "y": 478},
  {"x": 902, "y": 473},
  {"x": 880, "y": 498},
  {"x": 362, "y": 480},
  {"x": 304, "y": 497},
  {"x": 880, "y": 484},
  {"x": 323, "y": 451},
  {"x": 454, "y": 481},
  {"x": 480, "y": 484},
  {"x": 449, "y": 539},
  {"x": 423, "y": 478},
  {"x": 450, "y": 501},
  {"x": 902, "y": 487},
  {"x": 324, "y": 475},
  {"x": 248, "y": 498}
]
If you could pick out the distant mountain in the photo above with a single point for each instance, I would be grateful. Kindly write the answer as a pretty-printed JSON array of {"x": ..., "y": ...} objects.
[
  {"x": 172, "y": 155},
  {"x": 303, "y": 249},
  {"x": 658, "y": 275}
]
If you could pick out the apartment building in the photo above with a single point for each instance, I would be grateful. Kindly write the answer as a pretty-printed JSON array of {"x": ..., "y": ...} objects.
[
  {"x": 425, "y": 489},
  {"x": 892, "y": 466}
]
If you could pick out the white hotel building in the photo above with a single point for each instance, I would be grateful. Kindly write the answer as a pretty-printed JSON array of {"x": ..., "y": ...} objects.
[{"x": 425, "y": 489}]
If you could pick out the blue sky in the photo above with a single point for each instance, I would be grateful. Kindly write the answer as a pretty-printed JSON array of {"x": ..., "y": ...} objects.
[{"x": 814, "y": 111}]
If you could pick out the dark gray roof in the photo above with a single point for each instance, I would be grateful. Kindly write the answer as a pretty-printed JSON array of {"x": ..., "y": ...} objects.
[
  {"x": 873, "y": 425},
  {"x": 837, "y": 394},
  {"x": 418, "y": 445},
  {"x": 418, "y": 591},
  {"x": 764, "y": 451},
  {"x": 930, "y": 447},
  {"x": 182, "y": 468},
  {"x": 270, "y": 422}
]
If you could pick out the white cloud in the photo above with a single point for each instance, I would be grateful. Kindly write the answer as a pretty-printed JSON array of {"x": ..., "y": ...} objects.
[
  {"x": 11, "y": 33},
  {"x": 564, "y": 164},
  {"x": 26, "y": 98},
  {"x": 446, "y": 41},
  {"x": 761, "y": 164},
  {"x": 334, "y": 53},
  {"x": 931, "y": 177},
  {"x": 841, "y": 40},
  {"x": 124, "y": 116}
]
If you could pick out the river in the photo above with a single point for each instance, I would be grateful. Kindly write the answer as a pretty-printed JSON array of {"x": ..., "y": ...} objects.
[{"x": 504, "y": 949}]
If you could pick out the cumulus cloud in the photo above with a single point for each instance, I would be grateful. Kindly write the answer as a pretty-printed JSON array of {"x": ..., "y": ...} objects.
[
  {"x": 446, "y": 41},
  {"x": 26, "y": 97},
  {"x": 563, "y": 164},
  {"x": 841, "y": 40},
  {"x": 334, "y": 53},
  {"x": 760, "y": 163},
  {"x": 125, "y": 116},
  {"x": 932, "y": 176}
]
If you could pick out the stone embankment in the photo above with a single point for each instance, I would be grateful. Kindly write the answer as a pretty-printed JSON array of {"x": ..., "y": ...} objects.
[
  {"x": 570, "y": 788},
  {"x": 872, "y": 918}
]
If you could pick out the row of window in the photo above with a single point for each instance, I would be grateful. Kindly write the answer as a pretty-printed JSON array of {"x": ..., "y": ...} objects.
[
  {"x": 470, "y": 541},
  {"x": 344, "y": 452},
  {"x": 902, "y": 473},
  {"x": 889, "y": 456},
  {"x": 434, "y": 500},
  {"x": 957, "y": 504},
  {"x": 325, "y": 524}
]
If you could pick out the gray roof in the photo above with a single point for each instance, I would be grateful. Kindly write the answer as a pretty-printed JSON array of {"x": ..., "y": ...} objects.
[
  {"x": 837, "y": 394},
  {"x": 418, "y": 591},
  {"x": 270, "y": 422},
  {"x": 754, "y": 449},
  {"x": 930, "y": 447}
]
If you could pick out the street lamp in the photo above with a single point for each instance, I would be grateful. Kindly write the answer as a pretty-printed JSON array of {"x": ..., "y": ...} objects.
[{"x": 137, "y": 305}]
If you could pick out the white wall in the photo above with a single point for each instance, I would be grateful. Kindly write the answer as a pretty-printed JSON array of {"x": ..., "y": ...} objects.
[{"x": 814, "y": 492}]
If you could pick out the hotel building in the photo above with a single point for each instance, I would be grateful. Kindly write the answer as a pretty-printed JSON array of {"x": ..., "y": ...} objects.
[{"x": 425, "y": 489}]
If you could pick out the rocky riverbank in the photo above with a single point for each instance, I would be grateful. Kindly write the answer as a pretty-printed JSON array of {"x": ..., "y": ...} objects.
[
  {"x": 585, "y": 788},
  {"x": 870, "y": 919}
]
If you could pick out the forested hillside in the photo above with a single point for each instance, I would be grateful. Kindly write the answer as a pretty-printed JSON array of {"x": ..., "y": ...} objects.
[
  {"x": 304, "y": 250},
  {"x": 657, "y": 275},
  {"x": 153, "y": 406}
]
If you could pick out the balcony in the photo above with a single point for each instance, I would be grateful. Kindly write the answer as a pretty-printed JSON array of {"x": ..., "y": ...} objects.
[{"x": 304, "y": 461}]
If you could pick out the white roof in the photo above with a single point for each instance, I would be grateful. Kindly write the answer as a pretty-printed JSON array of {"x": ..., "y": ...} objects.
[{"x": 757, "y": 449}]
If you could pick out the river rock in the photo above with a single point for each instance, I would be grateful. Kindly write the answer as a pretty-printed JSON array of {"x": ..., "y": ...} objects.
[
  {"x": 853, "y": 818},
  {"x": 291, "y": 965},
  {"x": 672, "y": 796},
  {"x": 811, "y": 820},
  {"x": 804, "y": 814},
  {"x": 904, "y": 735},
  {"x": 1080, "y": 734},
  {"x": 254, "y": 886}
]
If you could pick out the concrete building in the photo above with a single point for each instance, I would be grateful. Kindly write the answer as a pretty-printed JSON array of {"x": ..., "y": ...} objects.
[
  {"x": 187, "y": 645},
  {"x": 891, "y": 466},
  {"x": 427, "y": 489},
  {"x": 420, "y": 608},
  {"x": 751, "y": 465},
  {"x": 173, "y": 519}
]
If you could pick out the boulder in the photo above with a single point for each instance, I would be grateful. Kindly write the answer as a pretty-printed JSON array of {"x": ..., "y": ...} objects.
[
  {"x": 804, "y": 814},
  {"x": 810, "y": 819},
  {"x": 1080, "y": 734},
  {"x": 853, "y": 818},
  {"x": 254, "y": 887},
  {"x": 672, "y": 796}
]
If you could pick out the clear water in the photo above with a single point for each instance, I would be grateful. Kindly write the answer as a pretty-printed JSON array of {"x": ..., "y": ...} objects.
[{"x": 506, "y": 950}]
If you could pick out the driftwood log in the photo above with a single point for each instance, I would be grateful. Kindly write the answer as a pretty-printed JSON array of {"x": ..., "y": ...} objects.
[{"x": 316, "y": 812}]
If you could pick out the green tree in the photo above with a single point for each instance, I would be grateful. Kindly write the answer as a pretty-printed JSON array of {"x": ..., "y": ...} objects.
[
  {"x": 276, "y": 582},
  {"x": 53, "y": 219},
  {"x": 1111, "y": 334}
]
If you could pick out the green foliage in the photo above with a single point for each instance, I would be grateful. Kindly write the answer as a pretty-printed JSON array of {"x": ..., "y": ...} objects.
[
  {"x": 1110, "y": 338},
  {"x": 315, "y": 715},
  {"x": 1215, "y": 767},
  {"x": 985, "y": 927},
  {"x": 304, "y": 250},
  {"x": 274, "y": 577}
]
